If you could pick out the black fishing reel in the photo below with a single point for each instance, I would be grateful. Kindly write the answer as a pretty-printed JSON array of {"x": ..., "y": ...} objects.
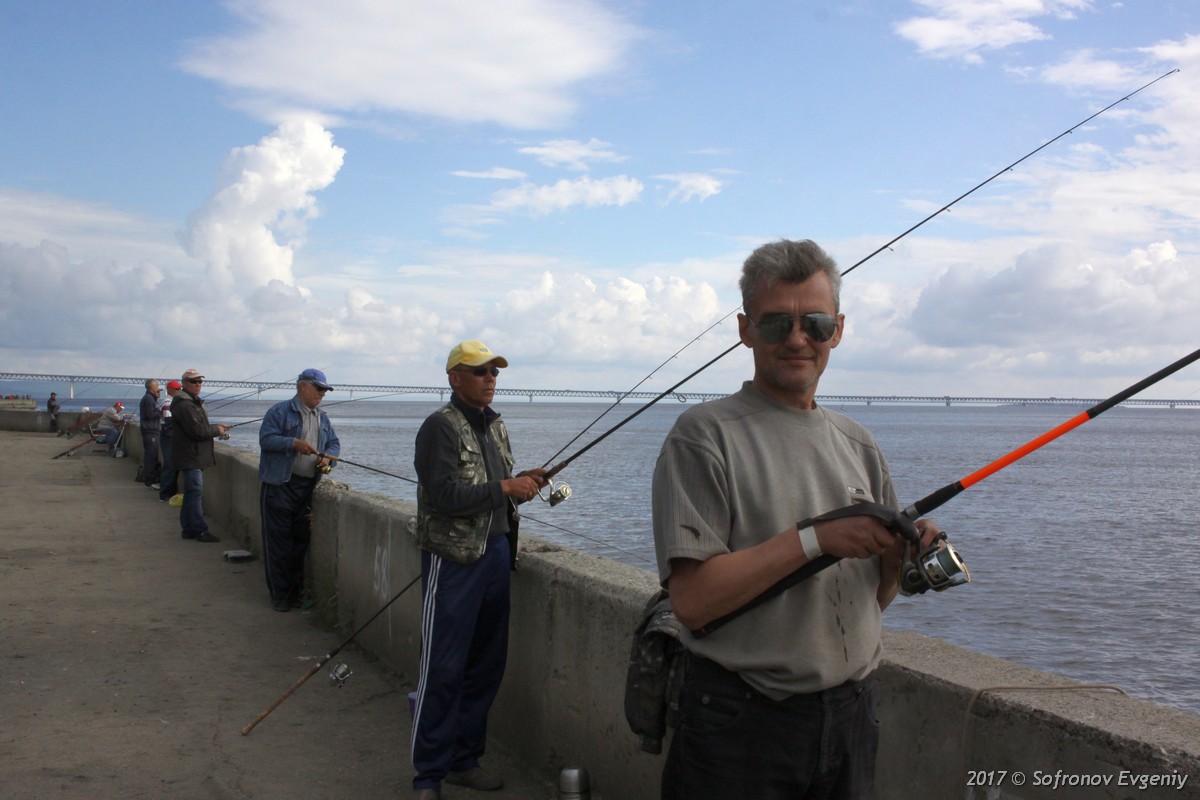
[
  {"x": 339, "y": 674},
  {"x": 937, "y": 567}
]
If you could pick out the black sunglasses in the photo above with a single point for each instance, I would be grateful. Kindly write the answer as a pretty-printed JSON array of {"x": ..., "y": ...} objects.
[
  {"x": 479, "y": 372},
  {"x": 193, "y": 380},
  {"x": 777, "y": 326}
]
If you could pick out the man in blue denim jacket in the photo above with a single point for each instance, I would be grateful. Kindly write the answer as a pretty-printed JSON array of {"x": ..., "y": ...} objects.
[{"x": 296, "y": 440}]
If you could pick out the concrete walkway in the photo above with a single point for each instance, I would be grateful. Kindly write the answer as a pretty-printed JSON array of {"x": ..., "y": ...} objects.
[{"x": 131, "y": 659}]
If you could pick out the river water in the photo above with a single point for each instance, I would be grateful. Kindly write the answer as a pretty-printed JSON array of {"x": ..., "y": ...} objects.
[{"x": 1084, "y": 554}]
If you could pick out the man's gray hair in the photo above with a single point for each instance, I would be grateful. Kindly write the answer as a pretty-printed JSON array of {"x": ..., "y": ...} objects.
[
  {"x": 791, "y": 262},
  {"x": 150, "y": 381}
]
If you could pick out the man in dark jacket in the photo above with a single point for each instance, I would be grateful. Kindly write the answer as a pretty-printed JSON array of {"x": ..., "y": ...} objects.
[
  {"x": 52, "y": 407},
  {"x": 192, "y": 452},
  {"x": 149, "y": 419},
  {"x": 466, "y": 512}
]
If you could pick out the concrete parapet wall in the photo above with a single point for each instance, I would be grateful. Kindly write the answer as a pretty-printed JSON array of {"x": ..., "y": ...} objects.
[
  {"x": 25, "y": 420},
  {"x": 573, "y": 615}
]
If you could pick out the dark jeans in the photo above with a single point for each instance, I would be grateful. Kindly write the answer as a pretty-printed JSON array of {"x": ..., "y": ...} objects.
[
  {"x": 168, "y": 476},
  {"x": 111, "y": 435},
  {"x": 734, "y": 742},
  {"x": 191, "y": 513},
  {"x": 286, "y": 532},
  {"x": 149, "y": 457}
]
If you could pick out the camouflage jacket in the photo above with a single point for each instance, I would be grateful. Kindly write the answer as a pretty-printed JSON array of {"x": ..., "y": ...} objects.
[{"x": 462, "y": 539}]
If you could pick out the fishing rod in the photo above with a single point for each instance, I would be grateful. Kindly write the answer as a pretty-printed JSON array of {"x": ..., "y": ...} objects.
[
  {"x": 331, "y": 405},
  {"x": 634, "y": 388},
  {"x": 523, "y": 515},
  {"x": 228, "y": 400},
  {"x": 71, "y": 450},
  {"x": 1031, "y": 153},
  {"x": 324, "y": 659},
  {"x": 257, "y": 390},
  {"x": 562, "y": 465},
  {"x": 364, "y": 466},
  {"x": 939, "y": 567},
  {"x": 874, "y": 253}
]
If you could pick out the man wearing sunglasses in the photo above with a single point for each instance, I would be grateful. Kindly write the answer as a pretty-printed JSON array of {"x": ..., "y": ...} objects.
[
  {"x": 296, "y": 440},
  {"x": 193, "y": 452},
  {"x": 779, "y": 702},
  {"x": 467, "y": 531}
]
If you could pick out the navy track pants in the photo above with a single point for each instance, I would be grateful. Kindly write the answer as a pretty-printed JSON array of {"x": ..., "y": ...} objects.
[{"x": 464, "y": 647}]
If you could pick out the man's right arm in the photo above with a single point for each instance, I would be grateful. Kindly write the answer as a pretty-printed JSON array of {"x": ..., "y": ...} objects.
[
  {"x": 270, "y": 433},
  {"x": 702, "y": 591}
]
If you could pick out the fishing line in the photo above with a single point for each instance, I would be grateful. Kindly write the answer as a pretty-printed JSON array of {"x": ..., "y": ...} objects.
[
  {"x": 944, "y": 558},
  {"x": 862, "y": 261}
]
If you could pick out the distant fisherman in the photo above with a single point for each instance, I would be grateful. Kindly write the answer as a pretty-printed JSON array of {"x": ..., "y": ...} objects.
[
  {"x": 150, "y": 423},
  {"x": 192, "y": 453},
  {"x": 295, "y": 440},
  {"x": 112, "y": 425},
  {"x": 52, "y": 406}
]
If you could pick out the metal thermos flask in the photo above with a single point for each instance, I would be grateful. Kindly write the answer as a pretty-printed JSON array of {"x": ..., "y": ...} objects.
[{"x": 573, "y": 784}]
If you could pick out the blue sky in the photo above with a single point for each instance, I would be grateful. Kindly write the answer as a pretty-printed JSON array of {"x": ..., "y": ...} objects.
[{"x": 258, "y": 186}]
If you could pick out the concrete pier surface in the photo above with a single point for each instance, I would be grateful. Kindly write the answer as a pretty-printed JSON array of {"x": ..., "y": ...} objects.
[{"x": 131, "y": 659}]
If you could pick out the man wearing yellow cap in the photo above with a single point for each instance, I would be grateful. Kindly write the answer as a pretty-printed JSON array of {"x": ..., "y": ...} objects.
[{"x": 466, "y": 528}]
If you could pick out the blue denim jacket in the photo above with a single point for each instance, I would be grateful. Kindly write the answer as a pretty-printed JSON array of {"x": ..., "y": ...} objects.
[{"x": 279, "y": 427}]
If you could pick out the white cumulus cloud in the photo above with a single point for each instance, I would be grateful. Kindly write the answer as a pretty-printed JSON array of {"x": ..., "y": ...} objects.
[
  {"x": 564, "y": 194},
  {"x": 265, "y": 196},
  {"x": 514, "y": 62},
  {"x": 964, "y": 28}
]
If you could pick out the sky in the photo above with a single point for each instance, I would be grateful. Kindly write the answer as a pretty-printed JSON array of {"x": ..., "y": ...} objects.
[{"x": 253, "y": 187}]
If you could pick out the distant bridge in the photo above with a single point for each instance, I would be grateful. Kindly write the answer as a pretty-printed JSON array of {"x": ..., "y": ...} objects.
[{"x": 256, "y": 388}]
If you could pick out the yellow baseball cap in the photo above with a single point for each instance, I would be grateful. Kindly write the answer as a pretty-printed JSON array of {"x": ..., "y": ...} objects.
[{"x": 473, "y": 353}]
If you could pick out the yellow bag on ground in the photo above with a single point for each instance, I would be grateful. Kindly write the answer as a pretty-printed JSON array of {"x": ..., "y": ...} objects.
[{"x": 176, "y": 501}]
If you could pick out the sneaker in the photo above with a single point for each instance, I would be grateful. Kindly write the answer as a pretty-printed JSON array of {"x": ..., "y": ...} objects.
[
  {"x": 476, "y": 778},
  {"x": 153, "y": 486},
  {"x": 187, "y": 535},
  {"x": 206, "y": 537},
  {"x": 281, "y": 605}
]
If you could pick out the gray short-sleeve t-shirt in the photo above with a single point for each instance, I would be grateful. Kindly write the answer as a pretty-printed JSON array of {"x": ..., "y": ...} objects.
[{"x": 735, "y": 472}]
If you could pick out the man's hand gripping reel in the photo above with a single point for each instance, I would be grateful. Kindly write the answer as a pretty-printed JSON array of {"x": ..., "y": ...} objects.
[{"x": 936, "y": 567}]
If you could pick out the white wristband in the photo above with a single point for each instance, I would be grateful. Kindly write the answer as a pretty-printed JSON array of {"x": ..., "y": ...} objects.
[{"x": 808, "y": 541}]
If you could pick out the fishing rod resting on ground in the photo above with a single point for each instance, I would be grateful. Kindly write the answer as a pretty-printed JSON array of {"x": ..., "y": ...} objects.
[
  {"x": 939, "y": 567},
  {"x": 559, "y": 467},
  {"x": 324, "y": 660}
]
